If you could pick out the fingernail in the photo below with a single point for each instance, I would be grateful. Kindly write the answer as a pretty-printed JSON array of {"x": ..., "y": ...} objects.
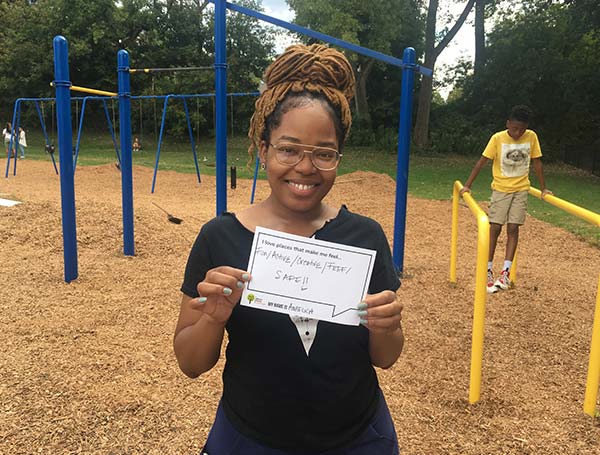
[
  {"x": 227, "y": 291},
  {"x": 201, "y": 299},
  {"x": 245, "y": 276},
  {"x": 239, "y": 284},
  {"x": 363, "y": 321},
  {"x": 362, "y": 313},
  {"x": 362, "y": 306}
]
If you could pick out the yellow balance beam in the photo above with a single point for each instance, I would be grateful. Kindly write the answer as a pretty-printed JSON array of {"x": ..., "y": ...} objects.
[
  {"x": 585, "y": 214},
  {"x": 483, "y": 242}
]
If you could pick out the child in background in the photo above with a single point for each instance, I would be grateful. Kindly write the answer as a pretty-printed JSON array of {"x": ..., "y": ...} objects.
[
  {"x": 22, "y": 142},
  {"x": 511, "y": 151},
  {"x": 136, "y": 145}
]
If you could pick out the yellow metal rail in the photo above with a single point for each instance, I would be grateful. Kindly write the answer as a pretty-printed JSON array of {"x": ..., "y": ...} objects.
[
  {"x": 593, "y": 377},
  {"x": 585, "y": 214},
  {"x": 93, "y": 91},
  {"x": 483, "y": 242}
]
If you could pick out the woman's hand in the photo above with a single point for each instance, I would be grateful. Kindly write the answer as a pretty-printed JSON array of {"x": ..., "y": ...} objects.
[
  {"x": 219, "y": 292},
  {"x": 381, "y": 313}
]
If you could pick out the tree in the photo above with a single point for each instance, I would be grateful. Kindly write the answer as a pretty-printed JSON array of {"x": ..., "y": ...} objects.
[
  {"x": 546, "y": 56},
  {"x": 432, "y": 52},
  {"x": 479, "y": 35},
  {"x": 379, "y": 25}
]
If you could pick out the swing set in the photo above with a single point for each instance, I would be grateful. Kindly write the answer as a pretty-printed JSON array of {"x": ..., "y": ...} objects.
[{"x": 80, "y": 115}]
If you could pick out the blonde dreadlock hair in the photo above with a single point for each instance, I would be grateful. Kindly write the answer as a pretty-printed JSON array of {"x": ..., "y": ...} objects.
[{"x": 306, "y": 73}]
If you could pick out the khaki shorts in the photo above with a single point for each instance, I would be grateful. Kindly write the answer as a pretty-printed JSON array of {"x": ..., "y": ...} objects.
[{"x": 508, "y": 207}]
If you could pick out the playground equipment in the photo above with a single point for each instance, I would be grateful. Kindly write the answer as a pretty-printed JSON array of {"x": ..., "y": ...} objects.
[
  {"x": 16, "y": 119},
  {"x": 65, "y": 147},
  {"x": 184, "y": 98},
  {"x": 483, "y": 243},
  {"x": 48, "y": 146},
  {"x": 109, "y": 123},
  {"x": 171, "y": 218},
  {"x": 62, "y": 84},
  {"x": 408, "y": 65},
  {"x": 593, "y": 377}
]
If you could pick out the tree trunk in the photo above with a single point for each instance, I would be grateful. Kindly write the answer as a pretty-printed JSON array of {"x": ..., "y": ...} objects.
[
  {"x": 479, "y": 37},
  {"x": 361, "y": 101},
  {"x": 421, "y": 133}
]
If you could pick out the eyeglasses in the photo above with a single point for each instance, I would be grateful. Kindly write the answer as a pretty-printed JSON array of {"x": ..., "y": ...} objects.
[{"x": 290, "y": 154}]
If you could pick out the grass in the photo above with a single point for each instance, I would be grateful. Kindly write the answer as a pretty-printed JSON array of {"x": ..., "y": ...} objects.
[{"x": 430, "y": 177}]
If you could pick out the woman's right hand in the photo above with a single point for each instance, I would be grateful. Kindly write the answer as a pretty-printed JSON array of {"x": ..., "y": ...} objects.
[{"x": 219, "y": 292}]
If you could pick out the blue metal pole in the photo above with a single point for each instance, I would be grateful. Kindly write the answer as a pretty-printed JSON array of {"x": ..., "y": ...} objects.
[
  {"x": 254, "y": 180},
  {"x": 111, "y": 130},
  {"x": 16, "y": 127},
  {"x": 160, "y": 137},
  {"x": 12, "y": 126},
  {"x": 11, "y": 143},
  {"x": 37, "y": 106},
  {"x": 404, "y": 128},
  {"x": 126, "y": 158},
  {"x": 323, "y": 37},
  {"x": 189, "y": 124},
  {"x": 221, "y": 105},
  {"x": 65, "y": 147},
  {"x": 79, "y": 130}
]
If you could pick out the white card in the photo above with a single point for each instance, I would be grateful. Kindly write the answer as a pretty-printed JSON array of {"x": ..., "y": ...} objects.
[{"x": 307, "y": 277}]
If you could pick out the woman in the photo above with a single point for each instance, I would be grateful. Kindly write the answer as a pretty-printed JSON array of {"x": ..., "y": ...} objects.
[{"x": 293, "y": 385}]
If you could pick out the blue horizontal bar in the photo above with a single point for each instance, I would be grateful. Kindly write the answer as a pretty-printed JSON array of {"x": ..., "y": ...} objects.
[
  {"x": 198, "y": 95},
  {"x": 328, "y": 38}
]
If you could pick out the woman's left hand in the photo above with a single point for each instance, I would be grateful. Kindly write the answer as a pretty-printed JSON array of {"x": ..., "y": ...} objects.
[{"x": 383, "y": 312}]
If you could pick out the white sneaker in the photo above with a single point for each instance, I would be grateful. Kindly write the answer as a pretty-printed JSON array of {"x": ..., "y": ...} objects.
[
  {"x": 503, "y": 282},
  {"x": 491, "y": 288}
]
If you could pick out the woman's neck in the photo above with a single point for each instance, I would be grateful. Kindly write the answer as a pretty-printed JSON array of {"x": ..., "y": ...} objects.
[{"x": 271, "y": 215}]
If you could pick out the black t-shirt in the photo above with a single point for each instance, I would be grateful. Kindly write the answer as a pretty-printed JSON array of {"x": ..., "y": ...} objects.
[{"x": 273, "y": 392}]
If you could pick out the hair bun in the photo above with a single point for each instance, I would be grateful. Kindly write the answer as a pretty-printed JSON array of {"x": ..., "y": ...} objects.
[{"x": 315, "y": 64}]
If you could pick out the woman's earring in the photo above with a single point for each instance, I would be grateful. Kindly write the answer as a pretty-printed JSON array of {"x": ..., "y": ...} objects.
[{"x": 263, "y": 166}]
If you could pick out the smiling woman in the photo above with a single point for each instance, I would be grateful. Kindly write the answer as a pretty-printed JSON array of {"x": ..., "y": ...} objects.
[{"x": 325, "y": 395}]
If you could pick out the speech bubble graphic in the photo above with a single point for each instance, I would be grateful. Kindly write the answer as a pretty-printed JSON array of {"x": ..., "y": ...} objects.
[{"x": 308, "y": 277}]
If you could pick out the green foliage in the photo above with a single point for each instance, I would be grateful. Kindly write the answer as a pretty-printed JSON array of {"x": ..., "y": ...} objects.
[
  {"x": 157, "y": 33},
  {"x": 544, "y": 55},
  {"x": 387, "y": 26}
]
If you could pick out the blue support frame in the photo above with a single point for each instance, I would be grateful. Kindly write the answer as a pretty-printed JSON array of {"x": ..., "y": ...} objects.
[
  {"x": 184, "y": 98},
  {"x": 404, "y": 129},
  {"x": 126, "y": 161},
  {"x": 65, "y": 147},
  {"x": 221, "y": 105},
  {"x": 409, "y": 67},
  {"x": 109, "y": 124},
  {"x": 37, "y": 106}
]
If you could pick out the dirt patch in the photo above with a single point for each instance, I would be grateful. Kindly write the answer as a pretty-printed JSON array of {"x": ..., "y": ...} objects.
[{"x": 88, "y": 367}]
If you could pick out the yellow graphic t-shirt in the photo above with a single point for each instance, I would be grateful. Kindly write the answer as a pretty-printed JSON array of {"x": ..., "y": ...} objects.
[{"x": 511, "y": 159}]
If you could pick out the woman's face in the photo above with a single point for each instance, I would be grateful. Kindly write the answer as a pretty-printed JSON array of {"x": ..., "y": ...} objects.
[{"x": 300, "y": 188}]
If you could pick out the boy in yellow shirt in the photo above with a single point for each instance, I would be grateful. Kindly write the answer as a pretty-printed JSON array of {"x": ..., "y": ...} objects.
[{"x": 511, "y": 152}]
